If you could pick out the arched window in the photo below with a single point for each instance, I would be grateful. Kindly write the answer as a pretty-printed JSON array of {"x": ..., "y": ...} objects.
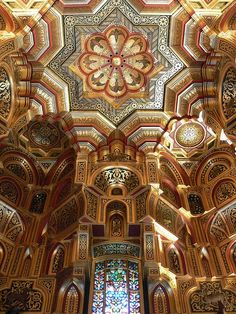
[
  {"x": 58, "y": 260},
  {"x": 116, "y": 288},
  {"x": 71, "y": 303},
  {"x": 161, "y": 301}
]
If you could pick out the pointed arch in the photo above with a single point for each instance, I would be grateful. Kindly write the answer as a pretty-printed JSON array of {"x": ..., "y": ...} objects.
[
  {"x": 70, "y": 297},
  {"x": 174, "y": 260},
  {"x": 71, "y": 300},
  {"x": 161, "y": 303},
  {"x": 57, "y": 259},
  {"x": 26, "y": 266},
  {"x": 205, "y": 263}
]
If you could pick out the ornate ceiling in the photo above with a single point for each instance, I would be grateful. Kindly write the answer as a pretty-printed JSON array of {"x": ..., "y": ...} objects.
[
  {"x": 124, "y": 106},
  {"x": 108, "y": 81}
]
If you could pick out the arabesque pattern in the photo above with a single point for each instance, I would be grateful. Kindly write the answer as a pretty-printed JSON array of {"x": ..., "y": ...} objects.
[{"x": 116, "y": 63}]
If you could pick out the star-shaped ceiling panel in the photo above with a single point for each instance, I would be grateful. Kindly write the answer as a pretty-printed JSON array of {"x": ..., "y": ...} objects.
[{"x": 116, "y": 61}]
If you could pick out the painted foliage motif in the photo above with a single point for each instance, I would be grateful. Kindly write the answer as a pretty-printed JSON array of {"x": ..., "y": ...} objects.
[
  {"x": 22, "y": 295},
  {"x": 206, "y": 299},
  {"x": 116, "y": 63}
]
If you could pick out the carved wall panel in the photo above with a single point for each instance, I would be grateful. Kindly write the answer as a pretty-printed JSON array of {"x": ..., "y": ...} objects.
[
  {"x": 206, "y": 298},
  {"x": 5, "y": 94},
  {"x": 66, "y": 215},
  {"x": 229, "y": 93},
  {"x": 58, "y": 257},
  {"x": 117, "y": 176},
  {"x": 11, "y": 225},
  {"x": 224, "y": 223},
  {"x": 224, "y": 191},
  {"x": 10, "y": 191},
  {"x": 21, "y": 294},
  {"x": 92, "y": 204},
  {"x": 141, "y": 205}
]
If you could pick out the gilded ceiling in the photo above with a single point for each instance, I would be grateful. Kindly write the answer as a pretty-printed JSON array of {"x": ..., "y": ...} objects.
[
  {"x": 121, "y": 108},
  {"x": 146, "y": 78}
]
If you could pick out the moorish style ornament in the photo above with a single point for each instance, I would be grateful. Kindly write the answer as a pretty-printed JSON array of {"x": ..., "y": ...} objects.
[
  {"x": 72, "y": 300},
  {"x": 195, "y": 204},
  {"x": 190, "y": 134},
  {"x": 44, "y": 134},
  {"x": 224, "y": 191},
  {"x": 115, "y": 65},
  {"x": 200, "y": 303},
  {"x": 160, "y": 300},
  {"x": 117, "y": 176},
  {"x": 21, "y": 293},
  {"x": 229, "y": 93},
  {"x": 38, "y": 202},
  {"x": 5, "y": 93}
]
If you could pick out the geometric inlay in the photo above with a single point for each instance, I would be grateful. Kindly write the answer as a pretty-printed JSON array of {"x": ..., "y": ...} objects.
[
  {"x": 79, "y": 32},
  {"x": 190, "y": 134},
  {"x": 115, "y": 64}
]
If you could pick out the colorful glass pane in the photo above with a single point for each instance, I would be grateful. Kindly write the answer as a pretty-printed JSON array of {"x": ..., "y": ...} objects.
[{"x": 116, "y": 288}]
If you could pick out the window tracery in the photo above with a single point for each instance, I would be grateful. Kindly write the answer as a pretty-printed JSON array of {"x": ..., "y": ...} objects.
[{"x": 116, "y": 288}]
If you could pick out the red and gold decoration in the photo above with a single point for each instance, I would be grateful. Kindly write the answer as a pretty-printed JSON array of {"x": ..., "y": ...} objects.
[
  {"x": 117, "y": 156},
  {"x": 116, "y": 65}
]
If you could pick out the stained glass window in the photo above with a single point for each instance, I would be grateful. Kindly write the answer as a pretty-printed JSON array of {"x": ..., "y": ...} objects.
[{"x": 116, "y": 288}]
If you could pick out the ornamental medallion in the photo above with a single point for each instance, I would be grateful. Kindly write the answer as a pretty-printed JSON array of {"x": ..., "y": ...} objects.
[{"x": 115, "y": 65}]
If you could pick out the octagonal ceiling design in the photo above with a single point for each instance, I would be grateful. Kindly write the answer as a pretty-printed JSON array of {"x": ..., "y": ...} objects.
[
  {"x": 116, "y": 63},
  {"x": 119, "y": 103}
]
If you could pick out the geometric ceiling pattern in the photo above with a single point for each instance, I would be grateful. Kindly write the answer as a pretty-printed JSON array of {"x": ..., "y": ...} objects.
[
  {"x": 154, "y": 28},
  {"x": 117, "y": 147}
]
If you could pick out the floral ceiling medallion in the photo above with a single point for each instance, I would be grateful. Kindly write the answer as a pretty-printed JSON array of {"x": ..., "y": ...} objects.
[
  {"x": 115, "y": 65},
  {"x": 190, "y": 134}
]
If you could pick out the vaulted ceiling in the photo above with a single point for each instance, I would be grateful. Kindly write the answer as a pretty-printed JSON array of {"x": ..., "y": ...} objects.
[{"x": 155, "y": 77}]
